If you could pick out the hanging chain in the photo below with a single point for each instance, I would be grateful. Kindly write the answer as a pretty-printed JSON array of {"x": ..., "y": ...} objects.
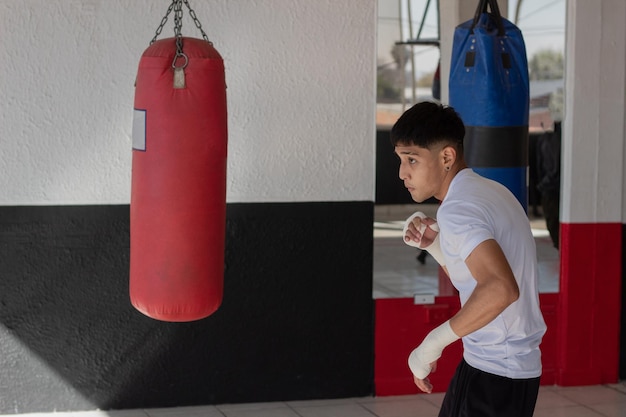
[
  {"x": 196, "y": 21},
  {"x": 177, "y": 7},
  {"x": 163, "y": 22},
  {"x": 178, "y": 26},
  {"x": 178, "y": 22}
]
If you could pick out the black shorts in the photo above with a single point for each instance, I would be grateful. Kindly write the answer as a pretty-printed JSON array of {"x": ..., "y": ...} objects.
[{"x": 475, "y": 393}]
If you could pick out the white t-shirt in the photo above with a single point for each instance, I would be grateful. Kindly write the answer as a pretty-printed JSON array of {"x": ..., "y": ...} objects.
[{"x": 476, "y": 209}]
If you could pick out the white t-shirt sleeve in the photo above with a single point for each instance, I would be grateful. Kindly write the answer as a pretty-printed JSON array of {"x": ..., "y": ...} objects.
[{"x": 464, "y": 226}]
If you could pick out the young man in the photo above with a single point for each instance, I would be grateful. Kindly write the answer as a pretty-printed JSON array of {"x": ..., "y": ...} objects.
[{"x": 482, "y": 239}]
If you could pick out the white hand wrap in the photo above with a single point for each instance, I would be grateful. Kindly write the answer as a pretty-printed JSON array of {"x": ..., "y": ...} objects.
[
  {"x": 430, "y": 350},
  {"x": 435, "y": 247}
]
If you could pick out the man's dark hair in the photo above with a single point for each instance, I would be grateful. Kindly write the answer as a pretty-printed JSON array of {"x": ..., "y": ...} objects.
[{"x": 426, "y": 124}]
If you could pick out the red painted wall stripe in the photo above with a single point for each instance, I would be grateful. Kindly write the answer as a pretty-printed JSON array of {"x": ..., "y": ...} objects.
[
  {"x": 401, "y": 326},
  {"x": 590, "y": 303}
]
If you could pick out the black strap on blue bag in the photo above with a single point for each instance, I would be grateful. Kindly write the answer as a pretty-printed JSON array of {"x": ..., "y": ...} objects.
[
  {"x": 494, "y": 17},
  {"x": 495, "y": 14}
]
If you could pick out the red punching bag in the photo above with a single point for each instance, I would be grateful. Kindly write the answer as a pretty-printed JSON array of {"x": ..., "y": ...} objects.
[{"x": 178, "y": 188}]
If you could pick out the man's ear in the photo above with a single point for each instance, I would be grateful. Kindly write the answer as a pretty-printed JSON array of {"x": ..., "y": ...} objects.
[{"x": 448, "y": 153}]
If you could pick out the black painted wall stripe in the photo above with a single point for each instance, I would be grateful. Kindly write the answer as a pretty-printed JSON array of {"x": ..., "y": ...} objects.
[
  {"x": 487, "y": 146},
  {"x": 296, "y": 321}
]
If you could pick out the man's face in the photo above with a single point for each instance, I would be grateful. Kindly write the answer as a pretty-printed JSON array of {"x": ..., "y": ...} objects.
[{"x": 422, "y": 171}]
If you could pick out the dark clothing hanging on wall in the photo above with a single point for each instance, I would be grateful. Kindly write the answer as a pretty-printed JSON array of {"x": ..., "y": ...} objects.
[{"x": 549, "y": 178}]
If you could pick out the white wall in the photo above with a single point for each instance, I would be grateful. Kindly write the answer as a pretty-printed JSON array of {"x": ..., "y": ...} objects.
[
  {"x": 594, "y": 131},
  {"x": 301, "y": 97}
]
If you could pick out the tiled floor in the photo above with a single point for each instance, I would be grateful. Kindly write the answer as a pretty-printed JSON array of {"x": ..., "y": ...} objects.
[
  {"x": 398, "y": 274},
  {"x": 591, "y": 401}
]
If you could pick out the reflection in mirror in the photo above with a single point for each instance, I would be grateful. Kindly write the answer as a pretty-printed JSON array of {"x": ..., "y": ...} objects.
[{"x": 408, "y": 63}]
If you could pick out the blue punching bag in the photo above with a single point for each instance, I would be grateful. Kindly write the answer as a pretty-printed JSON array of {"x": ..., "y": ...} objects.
[{"x": 488, "y": 87}]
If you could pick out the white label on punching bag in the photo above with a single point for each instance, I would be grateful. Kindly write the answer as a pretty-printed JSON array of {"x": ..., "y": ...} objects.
[{"x": 139, "y": 130}]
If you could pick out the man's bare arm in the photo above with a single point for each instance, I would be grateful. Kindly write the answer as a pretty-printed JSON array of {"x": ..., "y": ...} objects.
[{"x": 495, "y": 290}]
